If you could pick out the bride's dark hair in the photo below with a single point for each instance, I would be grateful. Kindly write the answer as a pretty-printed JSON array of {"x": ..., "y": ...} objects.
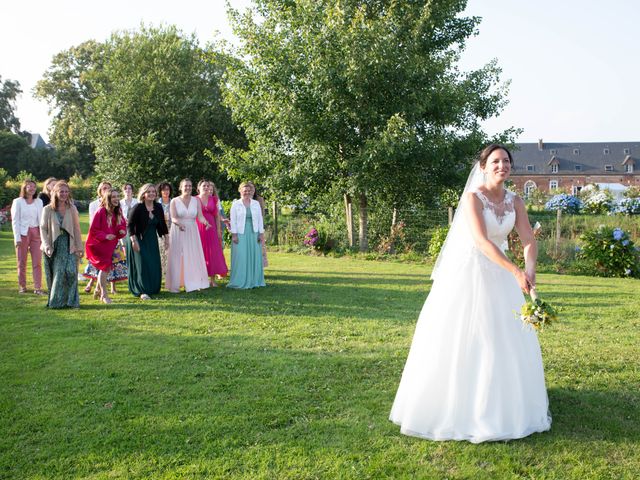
[{"x": 489, "y": 149}]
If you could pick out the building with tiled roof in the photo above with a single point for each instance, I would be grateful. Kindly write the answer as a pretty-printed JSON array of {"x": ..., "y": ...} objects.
[{"x": 568, "y": 167}]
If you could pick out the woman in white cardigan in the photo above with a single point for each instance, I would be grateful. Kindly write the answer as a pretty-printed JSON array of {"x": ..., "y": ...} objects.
[
  {"x": 26, "y": 211},
  {"x": 247, "y": 231}
]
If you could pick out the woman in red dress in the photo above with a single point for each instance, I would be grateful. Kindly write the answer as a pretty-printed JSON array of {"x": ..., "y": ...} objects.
[{"x": 107, "y": 227}]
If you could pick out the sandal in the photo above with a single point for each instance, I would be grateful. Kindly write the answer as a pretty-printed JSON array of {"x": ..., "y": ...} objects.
[
  {"x": 39, "y": 292},
  {"x": 105, "y": 300},
  {"x": 22, "y": 290},
  {"x": 87, "y": 289}
]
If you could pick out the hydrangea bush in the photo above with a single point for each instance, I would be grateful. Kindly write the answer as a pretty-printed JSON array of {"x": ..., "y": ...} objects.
[
  {"x": 599, "y": 202},
  {"x": 628, "y": 206},
  {"x": 610, "y": 252},
  {"x": 564, "y": 202}
]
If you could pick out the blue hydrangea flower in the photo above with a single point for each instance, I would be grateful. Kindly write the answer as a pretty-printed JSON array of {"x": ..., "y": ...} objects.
[
  {"x": 618, "y": 234},
  {"x": 625, "y": 242}
]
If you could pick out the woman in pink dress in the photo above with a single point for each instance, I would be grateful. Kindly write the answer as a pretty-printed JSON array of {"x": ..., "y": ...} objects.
[
  {"x": 185, "y": 259},
  {"x": 107, "y": 227},
  {"x": 210, "y": 238}
]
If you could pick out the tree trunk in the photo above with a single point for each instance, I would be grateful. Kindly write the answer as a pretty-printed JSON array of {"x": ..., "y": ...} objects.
[
  {"x": 394, "y": 220},
  {"x": 275, "y": 222},
  {"x": 348, "y": 207},
  {"x": 363, "y": 233}
]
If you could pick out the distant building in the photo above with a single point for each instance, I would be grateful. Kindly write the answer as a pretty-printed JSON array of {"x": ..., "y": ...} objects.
[
  {"x": 36, "y": 141},
  {"x": 568, "y": 167}
]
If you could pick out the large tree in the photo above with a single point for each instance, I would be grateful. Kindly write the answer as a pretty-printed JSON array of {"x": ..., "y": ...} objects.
[
  {"x": 363, "y": 96},
  {"x": 9, "y": 91},
  {"x": 68, "y": 87},
  {"x": 158, "y": 107}
]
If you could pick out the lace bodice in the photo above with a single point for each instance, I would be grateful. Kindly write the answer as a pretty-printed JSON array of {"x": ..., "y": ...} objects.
[{"x": 499, "y": 218}]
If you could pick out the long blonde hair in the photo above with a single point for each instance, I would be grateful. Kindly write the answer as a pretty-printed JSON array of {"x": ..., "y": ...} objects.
[{"x": 55, "y": 199}]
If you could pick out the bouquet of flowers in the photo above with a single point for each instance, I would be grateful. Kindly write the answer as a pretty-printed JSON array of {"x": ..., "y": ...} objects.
[{"x": 537, "y": 313}]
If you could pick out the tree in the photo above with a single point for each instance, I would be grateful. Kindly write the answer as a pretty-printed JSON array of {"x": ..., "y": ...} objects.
[
  {"x": 362, "y": 96},
  {"x": 9, "y": 91},
  {"x": 12, "y": 148},
  {"x": 157, "y": 108},
  {"x": 68, "y": 87}
]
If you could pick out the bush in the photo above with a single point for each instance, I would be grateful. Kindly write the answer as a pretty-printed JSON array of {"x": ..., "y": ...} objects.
[
  {"x": 610, "y": 252},
  {"x": 632, "y": 192},
  {"x": 438, "y": 236},
  {"x": 564, "y": 202},
  {"x": 628, "y": 206},
  {"x": 319, "y": 240},
  {"x": 599, "y": 202}
]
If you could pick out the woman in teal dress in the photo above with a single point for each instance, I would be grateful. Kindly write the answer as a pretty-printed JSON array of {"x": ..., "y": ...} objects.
[
  {"x": 247, "y": 231},
  {"x": 145, "y": 224},
  {"x": 62, "y": 247}
]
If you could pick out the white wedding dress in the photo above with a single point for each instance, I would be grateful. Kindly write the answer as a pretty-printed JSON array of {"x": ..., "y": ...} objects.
[{"x": 474, "y": 372}]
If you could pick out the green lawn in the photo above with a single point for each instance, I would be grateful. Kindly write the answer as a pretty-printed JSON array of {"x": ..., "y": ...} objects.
[{"x": 293, "y": 381}]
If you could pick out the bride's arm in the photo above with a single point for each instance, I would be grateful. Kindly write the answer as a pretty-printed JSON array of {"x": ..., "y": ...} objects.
[
  {"x": 525, "y": 232},
  {"x": 486, "y": 246}
]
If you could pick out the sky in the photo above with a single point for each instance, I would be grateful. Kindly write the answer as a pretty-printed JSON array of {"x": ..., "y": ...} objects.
[{"x": 573, "y": 64}]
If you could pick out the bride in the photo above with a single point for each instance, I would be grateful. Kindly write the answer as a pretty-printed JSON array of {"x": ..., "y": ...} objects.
[{"x": 474, "y": 372}]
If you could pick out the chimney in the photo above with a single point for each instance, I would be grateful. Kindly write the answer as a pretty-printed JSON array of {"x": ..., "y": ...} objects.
[{"x": 540, "y": 144}]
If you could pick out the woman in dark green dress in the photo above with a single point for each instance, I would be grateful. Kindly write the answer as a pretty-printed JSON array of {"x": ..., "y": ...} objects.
[
  {"x": 146, "y": 222},
  {"x": 62, "y": 247}
]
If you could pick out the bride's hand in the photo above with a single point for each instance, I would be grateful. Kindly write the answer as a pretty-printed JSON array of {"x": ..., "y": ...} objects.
[
  {"x": 531, "y": 277},
  {"x": 522, "y": 280}
]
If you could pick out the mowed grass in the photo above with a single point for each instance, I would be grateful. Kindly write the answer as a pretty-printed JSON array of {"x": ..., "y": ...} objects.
[{"x": 292, "y": 381}]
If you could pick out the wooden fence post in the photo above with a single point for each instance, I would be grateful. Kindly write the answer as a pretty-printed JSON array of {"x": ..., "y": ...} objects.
[{"x": 558, "y": 232}]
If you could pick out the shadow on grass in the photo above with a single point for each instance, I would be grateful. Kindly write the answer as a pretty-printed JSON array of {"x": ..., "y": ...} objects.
[{"x": 114, "y": 397}]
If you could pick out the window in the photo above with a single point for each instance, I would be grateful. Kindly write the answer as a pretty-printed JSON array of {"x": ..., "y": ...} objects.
[
  {"x": 554, "y": 168},
  {"x": 553, "y": 185},
  {"x": 575, "y": 189},
  {"x": 606, "y": 151},
  {"x": 626, "y": 151},
  {"x": 577, "y": 168},
  {"x": 628, "y": 168},
  {"x": 554, "y": 151},
  {"x": 608, "y": 168},
  {"x": 529, "y": 168},
  {"x": 529, "y": 187},
  {"x": 576, "y": 151}
]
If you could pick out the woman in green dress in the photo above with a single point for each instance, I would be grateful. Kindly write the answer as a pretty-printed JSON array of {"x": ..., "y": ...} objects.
[
  {"x": 146, "y": 222},
  {"x": 62, "y": 247},
  {"x": 247, "y": 231}
]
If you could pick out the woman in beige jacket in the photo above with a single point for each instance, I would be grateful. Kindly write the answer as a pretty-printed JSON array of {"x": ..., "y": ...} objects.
[{"x": 62, "y": 246}]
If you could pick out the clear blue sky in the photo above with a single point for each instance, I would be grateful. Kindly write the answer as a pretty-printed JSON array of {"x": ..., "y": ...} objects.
[{"x": 573, "y": 64}]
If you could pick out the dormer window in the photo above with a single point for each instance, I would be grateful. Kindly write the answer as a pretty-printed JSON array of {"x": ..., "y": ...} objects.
[
  {"x": 628, "y": 168},
  {"x": 554, "y": 151},
  {"x": 577, "y": 168},
  {"x": 606, "y": 151},
  {"x": 530, "y": 168},
  {"x": 608, "y": 168},
  {"x": 626, "y": 151},
  {"x": 554, "y": 168},
  {"x": 576, "y": 151}
]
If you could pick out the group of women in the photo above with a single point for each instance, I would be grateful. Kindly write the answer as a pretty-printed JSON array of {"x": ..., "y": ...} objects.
[{"x": 136, "y": 239}]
